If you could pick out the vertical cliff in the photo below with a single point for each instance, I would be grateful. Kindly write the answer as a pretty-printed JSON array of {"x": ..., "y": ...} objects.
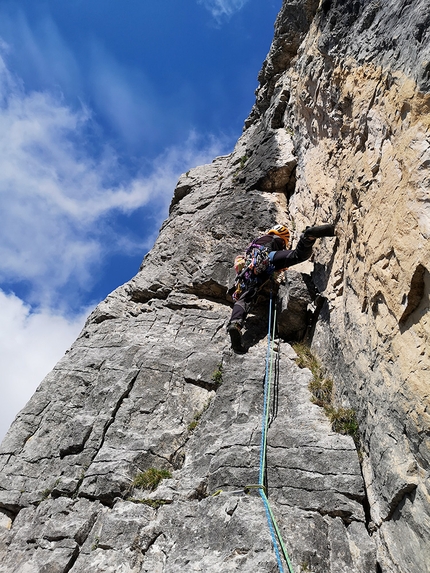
[
  {"x": 339, "y": 132},
  {"x": 357, "y": 104}
]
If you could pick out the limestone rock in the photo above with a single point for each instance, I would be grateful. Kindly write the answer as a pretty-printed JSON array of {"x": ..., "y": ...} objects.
[
  {"x": 339, "y": 132},
  {"x": 297, "y": 295}
]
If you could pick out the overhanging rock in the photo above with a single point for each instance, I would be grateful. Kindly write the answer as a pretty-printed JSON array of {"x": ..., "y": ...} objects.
[{"x": 296, "y": 295}]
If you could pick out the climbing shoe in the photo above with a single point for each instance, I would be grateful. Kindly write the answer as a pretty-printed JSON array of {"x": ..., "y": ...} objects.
[
  {"x": 234, "y": 330},
  {"x": 319, "y": 231}
]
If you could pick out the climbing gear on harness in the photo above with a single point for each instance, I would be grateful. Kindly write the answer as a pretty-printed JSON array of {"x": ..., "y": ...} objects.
[
  {"x": 282, "y": 232},
  {"x": 234, "y": 330},
  {"x": 319, "y": 231},
  {"x": 257, "y": 260}
]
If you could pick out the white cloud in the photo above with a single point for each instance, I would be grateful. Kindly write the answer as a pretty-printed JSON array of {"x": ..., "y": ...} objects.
[
  {"x": 57, "y": 198},
  {"x": 30, "y": 346},
  {"x": 221, "y": 8}
]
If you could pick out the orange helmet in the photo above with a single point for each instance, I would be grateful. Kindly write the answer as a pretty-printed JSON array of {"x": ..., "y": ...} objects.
[{"x": 281, "y": 231}]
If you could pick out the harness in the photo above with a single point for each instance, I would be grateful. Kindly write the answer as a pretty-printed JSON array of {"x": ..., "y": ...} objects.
[{"x": 253, "y": 268}]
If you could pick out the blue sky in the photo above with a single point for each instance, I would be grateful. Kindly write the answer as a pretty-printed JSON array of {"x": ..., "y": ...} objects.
[{"x": 103, "y": 104}]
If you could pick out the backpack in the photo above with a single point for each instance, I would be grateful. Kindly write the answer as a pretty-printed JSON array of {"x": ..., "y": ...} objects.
[{"x": 248, "y": 266}]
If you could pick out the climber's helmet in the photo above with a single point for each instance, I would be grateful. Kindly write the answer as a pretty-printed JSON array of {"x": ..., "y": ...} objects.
[{"x": 281, "y": 231}]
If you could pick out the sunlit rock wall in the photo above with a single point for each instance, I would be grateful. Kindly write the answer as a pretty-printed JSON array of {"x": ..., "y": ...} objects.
[{"x": 356, "y": 101}]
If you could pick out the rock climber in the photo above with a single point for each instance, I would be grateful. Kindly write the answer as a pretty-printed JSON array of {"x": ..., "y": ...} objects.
[{"x": 264, "y": 256}]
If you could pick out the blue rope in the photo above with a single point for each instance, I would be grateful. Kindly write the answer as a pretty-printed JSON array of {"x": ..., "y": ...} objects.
[
  {"x": 273, "y": 527},
  {"x": 265, "y": 401},
  {"x": 272, "y": 530}
]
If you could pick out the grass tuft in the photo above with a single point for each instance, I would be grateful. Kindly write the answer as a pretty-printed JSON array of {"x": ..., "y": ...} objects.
[
  {"x": 343, "y": 420},
  {"x": 322, "y": 392},
  {"x": 154, "y": 503},
  {"x": 306, "y": 359},
  {"x": 151, "y": 478},
  {"x": 217, "y": 376}
]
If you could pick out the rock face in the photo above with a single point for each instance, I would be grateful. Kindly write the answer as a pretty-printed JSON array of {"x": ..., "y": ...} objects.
[{"x": 339, "y": 132}]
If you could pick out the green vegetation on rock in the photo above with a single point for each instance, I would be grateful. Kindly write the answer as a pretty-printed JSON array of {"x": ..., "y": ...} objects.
[
  {"x": 151, "y": 478},
  {"x": 343, "y": 420}
]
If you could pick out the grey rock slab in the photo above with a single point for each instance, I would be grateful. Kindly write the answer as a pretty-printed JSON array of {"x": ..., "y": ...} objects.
[
  {"x": 48, "y": 537},
  {"x": 134, "y": 537},
  {"x": 125, "y": 391},
  {"x": 408, "y": 532},
  {"x": 321, "y": 543},
  {"x": 149, "y": 426},
  {"x": 309, "y": 465},
  {"x": 269, "y": 160}
]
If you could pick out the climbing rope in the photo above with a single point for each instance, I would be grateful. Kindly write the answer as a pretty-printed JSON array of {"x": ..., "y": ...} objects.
[{"x": 262, "y": 482}]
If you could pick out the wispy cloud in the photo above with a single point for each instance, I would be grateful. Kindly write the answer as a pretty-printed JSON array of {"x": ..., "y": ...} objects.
[
  {"x": 57, "y": 199},
  {"x": 223, "y": 8},
  {"x": 125, "y": 96},
  {"x": 43, "y": 56},
  {"x": 121, "y": 93}
]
